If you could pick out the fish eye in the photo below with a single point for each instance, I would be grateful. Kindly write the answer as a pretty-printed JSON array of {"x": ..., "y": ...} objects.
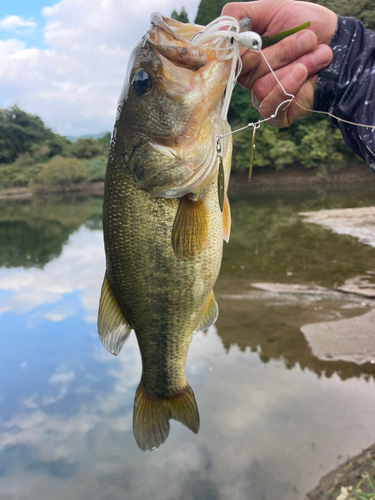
[{"x": 141, "y": 82}]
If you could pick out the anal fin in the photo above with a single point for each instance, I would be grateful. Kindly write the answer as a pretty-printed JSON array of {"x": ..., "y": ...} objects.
[
  {"x": 151, "y": 416},
  {"x": 113, "y": 328},
  {"x": 210, "y": 314},
  {"x": 190, "y": 228},
  {"x": 227, "y": 220}
]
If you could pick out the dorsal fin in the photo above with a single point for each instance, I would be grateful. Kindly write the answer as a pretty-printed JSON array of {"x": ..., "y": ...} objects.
[
  {"x": 210, "y": 314},
  {"x": 190, "y": 228},
  {"x": 227, "y": 220},
  {"x": 113, "y": 328}
]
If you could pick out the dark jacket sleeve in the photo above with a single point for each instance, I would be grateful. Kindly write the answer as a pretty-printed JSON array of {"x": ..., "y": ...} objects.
[{"x": 346, "y": 88}]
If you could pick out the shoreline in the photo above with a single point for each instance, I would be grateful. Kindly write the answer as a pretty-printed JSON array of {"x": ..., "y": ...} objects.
[
  {"x": 295, "y": 177},
  {"x": 86, "y": 188},
  {"x": 291, "y": 177}
]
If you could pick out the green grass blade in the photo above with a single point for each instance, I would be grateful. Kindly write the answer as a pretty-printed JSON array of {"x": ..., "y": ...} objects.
[
  {"x": 370, "y": 483},
  {"x": 271, "y": 40}
]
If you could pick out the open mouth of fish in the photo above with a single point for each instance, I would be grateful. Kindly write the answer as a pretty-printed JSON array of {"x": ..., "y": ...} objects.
[{"x": 171, "y": 39}]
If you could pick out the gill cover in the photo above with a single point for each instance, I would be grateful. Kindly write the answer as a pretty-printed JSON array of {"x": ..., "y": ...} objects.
[{"x": 169, "y": 110}]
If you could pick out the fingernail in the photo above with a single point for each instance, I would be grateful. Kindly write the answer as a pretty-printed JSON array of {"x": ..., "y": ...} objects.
[
  {"x": 322, "y": 56},
  {"x": 305, "y": 42},
  {"x": 298, "y": 73}
]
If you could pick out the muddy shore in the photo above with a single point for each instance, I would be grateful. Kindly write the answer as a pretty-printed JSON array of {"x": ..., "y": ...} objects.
[
  {"x": 299, "y": 177},
  {"x": 85, "y": 188},
  {"x": 347, "y": 340},
  {"x": 346, "y": 477}
]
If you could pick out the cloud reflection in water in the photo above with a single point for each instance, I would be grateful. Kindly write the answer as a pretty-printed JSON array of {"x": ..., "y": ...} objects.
[{"x": 66, "y": 404}]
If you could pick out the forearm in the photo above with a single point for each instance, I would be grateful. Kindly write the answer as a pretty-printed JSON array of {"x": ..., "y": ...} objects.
[{"x": 346, "y": 88}]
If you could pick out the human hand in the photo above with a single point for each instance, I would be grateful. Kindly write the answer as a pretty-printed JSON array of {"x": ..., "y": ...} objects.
[{"x": 296, "y": 60}]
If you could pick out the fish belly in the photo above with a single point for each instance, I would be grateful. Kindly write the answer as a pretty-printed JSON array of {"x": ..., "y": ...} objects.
[{"x": 160, "y": 295}]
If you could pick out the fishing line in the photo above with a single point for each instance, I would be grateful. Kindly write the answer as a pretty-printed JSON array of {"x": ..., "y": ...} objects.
[
  {"x": 333, "y": 116},
  {"x": 224, "y": 36},
  {"x": 216, "y": 34},
  {"x": 223, "y": 30},
  {"x": 293, "y": 99}
]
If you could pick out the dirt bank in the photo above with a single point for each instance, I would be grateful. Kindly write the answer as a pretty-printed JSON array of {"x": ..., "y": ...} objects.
[
  {"x": 291, "y": 177},
  {"x": 346, "y": 476},
  {"x": 88, "y": 188},
  {"x": 299, "y": 176}
]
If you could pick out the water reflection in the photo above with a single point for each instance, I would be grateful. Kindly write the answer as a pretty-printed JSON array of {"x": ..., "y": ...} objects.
[
  {"x": 273, "y": 417},
  {"x": 33, "y": 231},
  {"x": 273, "y": 330}
]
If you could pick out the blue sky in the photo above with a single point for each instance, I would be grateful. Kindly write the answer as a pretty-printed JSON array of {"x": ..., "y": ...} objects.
[
  {"x": 24, "y": 8},
  {"x": 30, "y": 11},
  {"x": 66, "y": 61}
]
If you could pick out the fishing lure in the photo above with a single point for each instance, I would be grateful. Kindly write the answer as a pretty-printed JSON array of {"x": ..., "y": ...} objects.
[
  {"x": 252, "y": 151},
  {"x": 220, "y": 177}
]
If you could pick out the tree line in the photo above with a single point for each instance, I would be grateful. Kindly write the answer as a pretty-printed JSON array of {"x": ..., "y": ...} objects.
[
  {"x": 32, "y": 155},
  {"x": 312, "y": 142}
]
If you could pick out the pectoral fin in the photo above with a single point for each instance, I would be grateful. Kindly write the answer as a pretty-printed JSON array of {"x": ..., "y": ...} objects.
[
  {"x": 227, "y": 220},
  {"x": 210, "y": 314},
  {"x": 113, "y": 328},
  {"x": 190, "y": 228}
]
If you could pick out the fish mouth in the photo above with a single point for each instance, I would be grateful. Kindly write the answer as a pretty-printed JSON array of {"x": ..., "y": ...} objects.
[{"x": 171, "y": 39}]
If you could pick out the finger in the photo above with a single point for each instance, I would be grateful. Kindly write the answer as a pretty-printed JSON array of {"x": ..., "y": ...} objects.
[
  {"x": 314, "y": 62},
  {"x": 303, "y": 102},
  {"x": 281, "y": 54},
  {"x": 253, "y": 10},
  {"x": 292, "y": 83},
  {"x": 284, "y": 52}
]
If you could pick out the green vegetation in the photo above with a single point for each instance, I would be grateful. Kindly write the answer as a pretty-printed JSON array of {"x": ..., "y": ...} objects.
[
  {"x": 61, "y": 172},
  {"x": 313, "y": 142},
  {"x": 360, "y": 9},
  {"x": 363, "y": 490},
  {"x": 33, "y": 231},
  {"x": 31, "y": 155},
  {"x": 182, "y": 16},
  {"x": 25, "y": 134}
]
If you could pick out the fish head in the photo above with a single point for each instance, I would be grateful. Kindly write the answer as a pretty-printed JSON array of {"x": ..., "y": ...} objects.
[{"x": 169, "y": 109}]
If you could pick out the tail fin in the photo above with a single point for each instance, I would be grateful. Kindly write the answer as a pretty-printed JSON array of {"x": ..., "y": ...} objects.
[{"x": 151, "y": 416}]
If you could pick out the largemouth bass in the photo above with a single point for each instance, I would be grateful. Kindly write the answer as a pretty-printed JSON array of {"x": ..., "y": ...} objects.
[{"x": 162, "y": 220}]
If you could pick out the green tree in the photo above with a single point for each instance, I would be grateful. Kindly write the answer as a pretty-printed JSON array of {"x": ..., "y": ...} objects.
[
  {"x": 105, "y": 142},
  {"x": 311, "y": 142},
  {"x": 363, "y": 10},
  {"x": 97, "y": 167},
  {"x": 62, "y": 172},
  {"x": 21, "y": 132},
  {"x": 33, "y": 231},
  {"x": 209, "y": 10},
  {"x": 182, "y": 16},
  {"x": 85, "y": 148}
]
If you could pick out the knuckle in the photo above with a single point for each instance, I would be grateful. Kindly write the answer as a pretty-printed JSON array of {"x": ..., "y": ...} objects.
[
  {"x": 262, "y": 87},
  {"x": 285, "y": 53}
]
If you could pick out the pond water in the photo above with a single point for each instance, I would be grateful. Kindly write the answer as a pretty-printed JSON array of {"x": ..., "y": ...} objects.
[{"x": 274, "y": 418}]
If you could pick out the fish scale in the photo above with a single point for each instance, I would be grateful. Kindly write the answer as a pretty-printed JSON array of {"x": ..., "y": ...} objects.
[{"x": 163, "y": 252}]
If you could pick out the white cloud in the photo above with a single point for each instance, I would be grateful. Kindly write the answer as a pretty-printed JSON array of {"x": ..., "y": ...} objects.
[
  {"x": 73, "y": 81},
  {"x": 265, "y": 432},
  {"x": 14, "y": 23},
  {"x": 60, "y": 314},
  {"x": 62, "y": 377},
  {"x": 79, "y": 268}
]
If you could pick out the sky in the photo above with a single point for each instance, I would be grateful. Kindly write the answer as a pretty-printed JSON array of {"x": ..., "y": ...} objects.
[{"x": 66, "y": 61}]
